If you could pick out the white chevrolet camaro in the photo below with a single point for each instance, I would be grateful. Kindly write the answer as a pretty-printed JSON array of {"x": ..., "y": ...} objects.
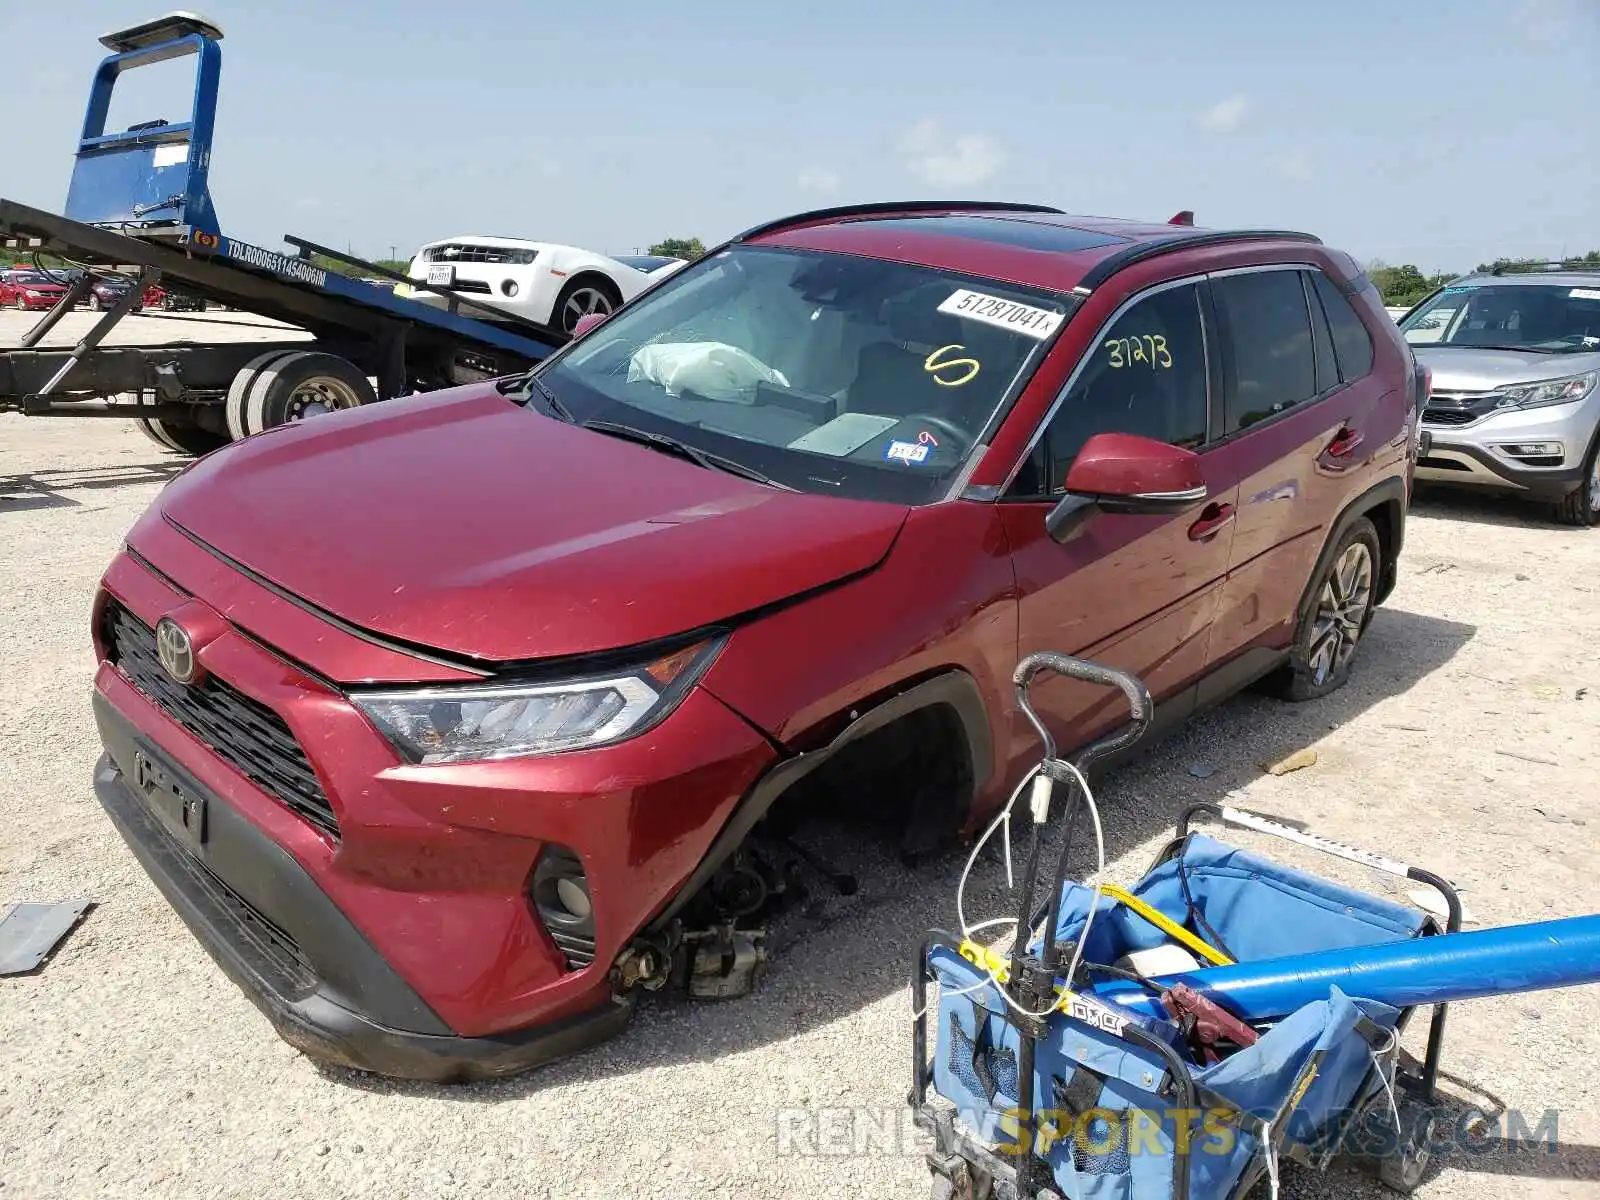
[{"x": 543, "y": 282}]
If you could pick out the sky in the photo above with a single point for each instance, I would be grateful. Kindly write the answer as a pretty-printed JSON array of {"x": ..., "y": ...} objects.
[{"x": 1440, "y": 134}]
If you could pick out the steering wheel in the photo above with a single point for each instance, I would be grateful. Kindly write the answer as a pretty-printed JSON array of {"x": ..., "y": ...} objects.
[{"x": 948, "y": 428}]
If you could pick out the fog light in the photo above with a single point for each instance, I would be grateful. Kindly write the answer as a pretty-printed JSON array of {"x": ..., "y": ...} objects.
[
  {"x": 575, "y": 897},
  {"x": 509, "y": 287},
  {"x": 1533, "y": 449},
  {"x": 559, "y": 890}
]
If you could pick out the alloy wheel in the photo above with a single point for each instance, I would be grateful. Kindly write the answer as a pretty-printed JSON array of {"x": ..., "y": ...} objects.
[
  {"x": 580, "y": 304},
  {"x": 1341, "y": 612},
  {"x": 1594, "y": 485}
]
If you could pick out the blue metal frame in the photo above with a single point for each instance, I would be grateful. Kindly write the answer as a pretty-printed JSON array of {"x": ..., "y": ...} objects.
[{"x": 153, "y": 178}]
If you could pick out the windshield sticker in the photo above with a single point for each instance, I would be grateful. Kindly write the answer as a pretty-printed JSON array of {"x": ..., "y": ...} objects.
[
  {"x": 907, "y": 452},
  {"x": 1584, "y": 294},
  {"x": 948, "y": 371},
  {"x": 1149, "y": 349},
  {"x": 1007, "y": 314}
]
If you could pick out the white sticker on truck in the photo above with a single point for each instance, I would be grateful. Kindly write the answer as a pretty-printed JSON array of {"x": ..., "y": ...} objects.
[{"x": 1585, "y": 293}]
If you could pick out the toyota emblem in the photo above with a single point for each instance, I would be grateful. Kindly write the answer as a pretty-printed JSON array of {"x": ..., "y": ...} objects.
[{"x": 175, "y": 650}]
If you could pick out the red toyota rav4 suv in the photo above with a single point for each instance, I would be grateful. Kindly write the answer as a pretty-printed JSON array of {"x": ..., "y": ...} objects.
[{"x": 450, "y": 724}]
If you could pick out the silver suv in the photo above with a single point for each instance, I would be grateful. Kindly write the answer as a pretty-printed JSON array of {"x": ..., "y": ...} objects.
[{"x": 1515, "y": 360}]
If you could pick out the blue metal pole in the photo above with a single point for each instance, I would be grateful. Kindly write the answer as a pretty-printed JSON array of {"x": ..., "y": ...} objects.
[{"x": 1426, "y": 970}]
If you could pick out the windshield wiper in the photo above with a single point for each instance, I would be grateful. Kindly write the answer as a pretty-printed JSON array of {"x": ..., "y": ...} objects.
[
  {"x": 532, "y": 383},
  {"x": 671, "y": 445},
  {"x": 1479, "y": 346}
]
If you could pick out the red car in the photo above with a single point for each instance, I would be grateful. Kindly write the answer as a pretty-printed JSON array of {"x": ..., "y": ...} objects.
[
  {"x": 25, "y": 288},
  {"x": 450, "y": 724}
]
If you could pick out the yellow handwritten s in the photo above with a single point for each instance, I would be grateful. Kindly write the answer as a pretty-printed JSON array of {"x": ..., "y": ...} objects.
[{"x": 939, "y": 363}]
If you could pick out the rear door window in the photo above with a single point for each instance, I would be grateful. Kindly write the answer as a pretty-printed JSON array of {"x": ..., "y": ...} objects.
[
  {"x": 1352, "y": 344},
  {"x": 1146, "y": 375},
  {"x": 1268, "y": 359}
]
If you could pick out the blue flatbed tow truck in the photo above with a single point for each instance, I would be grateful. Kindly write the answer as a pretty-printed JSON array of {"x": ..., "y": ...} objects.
[{"x": 139, "y": 209}]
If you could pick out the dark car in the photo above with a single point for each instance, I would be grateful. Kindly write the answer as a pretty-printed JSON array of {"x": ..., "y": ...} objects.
[
  {"x": 107, "y": 290},
  {"x": 450, "y": 724}
]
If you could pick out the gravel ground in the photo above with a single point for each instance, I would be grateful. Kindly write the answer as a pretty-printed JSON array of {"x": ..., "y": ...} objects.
[{"x": 1468, "y": 742}]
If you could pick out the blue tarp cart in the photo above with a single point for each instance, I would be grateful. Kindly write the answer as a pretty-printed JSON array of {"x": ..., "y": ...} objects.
[{"x": 1039, "y": 1089}]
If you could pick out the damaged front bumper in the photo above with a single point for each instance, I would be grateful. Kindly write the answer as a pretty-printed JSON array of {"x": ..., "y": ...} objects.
[{"x": 325, "y": 988}]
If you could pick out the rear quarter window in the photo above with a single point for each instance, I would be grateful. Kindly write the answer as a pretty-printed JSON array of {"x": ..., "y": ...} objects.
[{"x": 1352, "y": 344}]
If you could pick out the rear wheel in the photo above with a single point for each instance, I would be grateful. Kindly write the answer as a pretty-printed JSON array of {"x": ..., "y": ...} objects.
[
  {"x": 304, "y": 384},
  {"x": 239, "y": 389},
  {"x": 181, "y": 439},
  {"x": 584, "y": 295},
  {"x": 1581, "y": 506},
  {"x": 1342, "y": 602}
]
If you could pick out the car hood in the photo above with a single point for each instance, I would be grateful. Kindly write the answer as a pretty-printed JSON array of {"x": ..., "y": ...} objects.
[
  {"x": 462, "y": 522},
  {"x": 1485, "y": 370}
]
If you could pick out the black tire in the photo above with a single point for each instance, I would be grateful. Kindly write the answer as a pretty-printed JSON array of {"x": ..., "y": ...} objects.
[
  {"x": 189, "y": 440},
  {"x": 1407, "y": 1150},
  {"x": 583, "y": 295},
  {"x": 239, "y": 390},
  {"x": 1330, "y": 630},
  {"x": 304, "y": 384},
  {"x": 1580, "y": 508}
]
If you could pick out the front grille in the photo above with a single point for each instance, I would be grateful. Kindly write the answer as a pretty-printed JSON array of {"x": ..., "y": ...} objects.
[
  {"x": 470, "y": 285},
  {"x": 242, "y": 731},
  {"x": 1442, "y": 464},
  {"x": 462, "y": 252},
  {"x": 1447, "y": 416}
]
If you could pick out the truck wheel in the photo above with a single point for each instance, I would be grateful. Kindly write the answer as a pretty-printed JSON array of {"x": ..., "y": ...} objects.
[
  {"x": 304, "y": 384},
  {"x": 182, "y": 439},
  {"x": 239, "y": 389}
]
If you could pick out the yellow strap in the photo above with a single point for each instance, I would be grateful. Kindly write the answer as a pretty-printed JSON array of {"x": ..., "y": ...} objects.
[{"x": 1166, "y": 924}]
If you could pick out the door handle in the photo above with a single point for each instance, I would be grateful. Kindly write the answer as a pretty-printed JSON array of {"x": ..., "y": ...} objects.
[
  {"x": 1213, "y": 519},
  {"x": 1344, "y": 443}
]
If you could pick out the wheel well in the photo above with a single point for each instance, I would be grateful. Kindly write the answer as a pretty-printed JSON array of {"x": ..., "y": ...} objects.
[
  {"x": 596, "y": 277},
  {"x": 1388, "y": 518},
  {"x": 938, "y": 725},
  {"x": 910, "y": 781}
]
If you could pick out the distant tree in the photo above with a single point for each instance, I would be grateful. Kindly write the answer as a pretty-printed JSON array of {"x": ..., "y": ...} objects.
[{"x": 689, "y": 248}]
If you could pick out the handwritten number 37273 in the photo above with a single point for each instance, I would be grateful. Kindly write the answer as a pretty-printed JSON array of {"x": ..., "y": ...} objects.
[{"x": 1148, "y": 349}]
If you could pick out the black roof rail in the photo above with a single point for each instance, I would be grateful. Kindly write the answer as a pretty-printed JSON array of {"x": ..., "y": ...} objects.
[
  {"x": 901, "y": 206},
  {"x": 1547, "y": 268},
  {"x": 1155, "y": 247}
]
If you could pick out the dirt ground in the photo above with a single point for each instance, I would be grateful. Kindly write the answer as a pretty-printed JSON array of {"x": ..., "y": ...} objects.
[{"x": 1468, "y": 742}]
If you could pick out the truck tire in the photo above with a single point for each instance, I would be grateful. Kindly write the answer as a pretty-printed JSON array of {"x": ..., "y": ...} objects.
[
  {"x": 303, "y": 384},
  {"x": 189, "y": 440},
  {"x": 239, "y": 389}
]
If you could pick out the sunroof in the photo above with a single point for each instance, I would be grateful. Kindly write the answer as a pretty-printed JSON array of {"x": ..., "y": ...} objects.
[{"x": 1030, "y": 235}]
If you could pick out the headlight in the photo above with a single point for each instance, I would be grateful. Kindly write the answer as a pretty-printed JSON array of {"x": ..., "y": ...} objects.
[
  {"x": 466, "y": 724},
  {"x": 1549, "y": 391}
]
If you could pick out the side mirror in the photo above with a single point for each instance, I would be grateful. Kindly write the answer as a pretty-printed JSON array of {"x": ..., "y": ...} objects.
[
  {"x": 587, "y": 322},
  {"x": 1125, "y": 473}
]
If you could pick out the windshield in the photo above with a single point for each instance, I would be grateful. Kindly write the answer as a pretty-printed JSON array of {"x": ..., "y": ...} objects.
[
  {"x": 824, "y": 372},
  {"x": 29, "y": 278},
  {"x": 1547, "y": 318}
]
